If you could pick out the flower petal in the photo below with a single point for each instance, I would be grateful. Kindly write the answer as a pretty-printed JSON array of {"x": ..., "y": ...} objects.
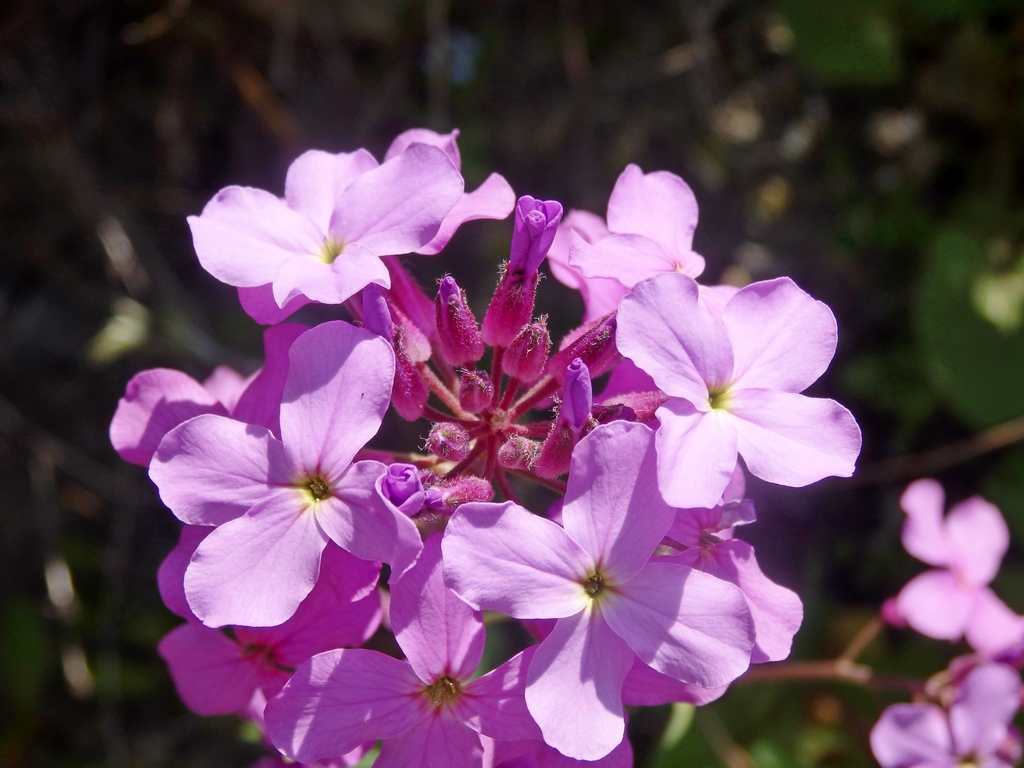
[
  {"x": 647, "y": 687},
  {"x": 315, "y": 180},
  {"x": 993, "y": 627},
  {"x": 936, "y": 605},
  {"x": 494, "y": 199},
  {"x": 261, "y": 402},
  {"x": 978, "y": 538},
  {"x": 626, "y": 259},
  {"x": 986, "y": 702},
  {"x": 170, "y": 576},
  {"x": 923, "y": 533},
  {"x": 912, "y": 735},
  {"x": 439, "y": 740},
  {"x": 696, "y": 454},
  {"x": 494, "y": 704},
  {"x": 261, "y": 306}
]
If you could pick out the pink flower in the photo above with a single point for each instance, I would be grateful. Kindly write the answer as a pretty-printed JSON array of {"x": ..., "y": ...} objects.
[
  {"x": 596, "y": 576},
  {"x": 967, "y": 547},
  {"x": 324, "y": 240},
  {"x": 733, "y": 385},
  {"x": 276, "y": 503},
  {"x": 428, "y": 710},
  {"x": 974, "y": 731}
]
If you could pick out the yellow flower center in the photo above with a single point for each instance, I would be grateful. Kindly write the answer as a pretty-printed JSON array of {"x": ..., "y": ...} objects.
[{"x": 330, "y": 250}]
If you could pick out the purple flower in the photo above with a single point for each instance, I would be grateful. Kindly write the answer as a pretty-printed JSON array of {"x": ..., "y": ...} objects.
[
  {"x": 975, "y": 730},
  {"x": 276, "y": 503},
  {"x": 427, "y": 710},
  {"x": 967, "y": 547},
  {"x": 733, "y": 384},
  {"x": 597, "y": 578}
]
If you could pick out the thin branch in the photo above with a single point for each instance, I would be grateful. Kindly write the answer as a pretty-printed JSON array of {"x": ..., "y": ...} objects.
[{"x": 838, "y": 670}]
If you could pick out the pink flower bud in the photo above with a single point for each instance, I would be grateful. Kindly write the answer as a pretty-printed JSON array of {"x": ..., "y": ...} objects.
[
  {"x": 518, "y": 452},
  {"x": 409, "y": 394},
  {"x": 595, "y": 347},
  {"x": 511, "y": 306},
  {"x": 402, "y": 487},
  {"x": 458, "y": 336},
  {"x": 528, "y": 352},
  {"x": 475, "y": 391},
  {"x": 555, "y": 452},
  {"x": 462, "y": 490},
  {"x": 534, "y": 231},
  {"x": 449, "y": 441}
]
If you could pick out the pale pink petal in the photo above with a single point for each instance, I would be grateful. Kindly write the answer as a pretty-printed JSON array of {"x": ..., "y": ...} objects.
[
  {"x": 261, "y": 402},
  {"x": 154, "y": 403},
  {"x": 993, "y": 627},
  {"x": 261, "y": 306},
  {"x": 936, "y": 605},
  {"x": 170, "y": 576},
  {"x": 439, "y": 740},
  {"x": 243, "y": 235},
  {"x": 587, "y": 225},
  {"x": 986, "y": 702},
  {"x": 612, "y": 507},
  {"x": 443, "y": 141},
  {"x": 440, "y": 635},
  {"x": 318, "y": 281},
  {"x": 574, "y": 686},
  {"x": 696, "y": 454},
  {"x": 226, "y": 384},
  {"x": 627, "y": 259},
  {"x": 399, "y": 206},
  {"x": 923, "y": 533},
  {"x": 664, "y": 331},
  {"x": 208, "y": 670},
  {"x": 494, "y": 199},
  {"x": 494, "y": 704},
  {"x": 486, "y": 564},
  {"x": 315, "y": 180},
  {"x": 794, "y": 440},
  {"x": 340, "y": 699},
  {"x": 358, "y": 520},
  {"x": 337, "y": 391},
  {"x": 913, "y": 735},
  {"x": 684, "y": 623},
  {"x": 978, "y": 538},
  {"x": 658, "y": 205},
  {"x": 255, "y": 570},
  {"x": 781, "y": 337},
  {"x": 713, "y": 298},
  {"x": 647, "y": 687},
  {"x": 212, "y": 469}
]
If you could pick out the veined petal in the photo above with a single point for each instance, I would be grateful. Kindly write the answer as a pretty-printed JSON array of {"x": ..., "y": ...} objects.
[
  {"x": 337, "y": 391},
  {"x": 439, "y": 633},
  {"x": 627, "y": 259},
  {"x": 440, "y": 740},
  {"x": 936, "y": 605},
  {"x": 659, "y": 205},
  {"x": 684, "y": 623},
  {"x": 255, "y": 570},
  {"x": 260, "y": 403},
  {"x": 494, "y": 704},
  {"x": 315, "y": 180},
  {"x": 913, "y": 735},
  {"x": 647, "y": 687},
  {"x": 781, "y": 337},
  {"x": 243, "y": 235},
  {"x": 978, "y": 539},
  {"x": 696, "y": 454},
  {"x": 923, "y": 533},
  {"x": 337, "y": 700},
  {"x": 494, "y": 199},
  {"x": 486, "y": 564},
  {"x": 306, "y": 275},
  {"x": 574, "y": 686},
  {"x": 212, "y": 469},
  {"x": 588, "y": 226},
  {"x": 794, "y": 440},
  {"x": 612, "y": 507}
]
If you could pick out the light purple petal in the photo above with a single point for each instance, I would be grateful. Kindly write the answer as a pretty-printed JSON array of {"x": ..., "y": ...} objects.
[
  {"x": 626, "y": 259},
  {"x": 696, "y": 454},
  {"x": 315, "y": 180},
  {"x": 261, "y": 306},
  {"x": 495, "y": 703},
  {"x": 794, "y": 440},
  {"x": 212, "y": 469},
  {"x": 170, "y": 576},
  {"x": 226, "y": 384},
  {"x": 340, "y": 699},
  {"x": 684, "y": 623},
  {"x": 494, "y": 199},
  {"x": 613, "y": 508},
  {"x": 243, "y": 235},
  {"x": 588, "y": 226},
  {"x": 439, "y": 740},
  {"x": 338, "y": 389},
  {"x": 261, "y": 402},
  {"x": 993, "y": 627},
  {"x": 912, "y": 735},
  {"x": 923, "y": 533},
  {"x": 443, "y": 141},
  {"x": 255, "y": 570},
  {"x": 316, "y": 280},
  {"x": 659, "y": 205},
  {"x": 626, "y": 379},
  {"x": 439, "y": 633},
  {"x": 986, "y": 702},
  {"x": 399, "y": 206},
  {"x": 154, "y": 403},
  {"x": 978, "y": 538},
  {"x": 574, "y": 686},
  {"x": 647, "y": 687},
  {"x": 358, "y": 520},
  {"x": 781, "y": 337},
  {"x": 208, "y": 670},
  {"x": 713, "y": 298},
  {"x": 486, "y": 564},
  {"x": 662, "y": 328},
  {"x": 936, "y": 605}
]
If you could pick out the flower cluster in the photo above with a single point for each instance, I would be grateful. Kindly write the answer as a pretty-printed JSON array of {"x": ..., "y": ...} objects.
[{"x": 631, "y": 583}]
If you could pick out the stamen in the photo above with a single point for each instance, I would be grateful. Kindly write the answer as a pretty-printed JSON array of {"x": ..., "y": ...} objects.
[
  {"x": 317, "y": 488},
  {"x": 443, "y": 690},
  {"x": 593, "y": 585},
  {"x": 330, "y": 250}
]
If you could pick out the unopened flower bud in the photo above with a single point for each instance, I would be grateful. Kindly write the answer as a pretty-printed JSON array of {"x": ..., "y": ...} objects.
[
  {"x": 458, "y": 336},
  {"x": 577, "y": 395},
  {"x": 528, "y": 352},
  {"x": 518, "y": 452},
  {"x": 401, "y": 486},
  {"x": 511, "y": 307},
  {"x": 534, "y": 231},
  {"x": 463, "y": 490},
  {"x": 376, "y": 315},
  {"x": 409, "y": 394},
  {"x": 556, "y": 451},
  {"x": 475, "y": 391},
  {"x": 595, "y": 347},
  {"x": 449, "y": 441}
]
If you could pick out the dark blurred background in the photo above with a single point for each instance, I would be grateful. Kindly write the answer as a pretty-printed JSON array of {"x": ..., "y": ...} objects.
[{"x": 870, "y": 149}]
